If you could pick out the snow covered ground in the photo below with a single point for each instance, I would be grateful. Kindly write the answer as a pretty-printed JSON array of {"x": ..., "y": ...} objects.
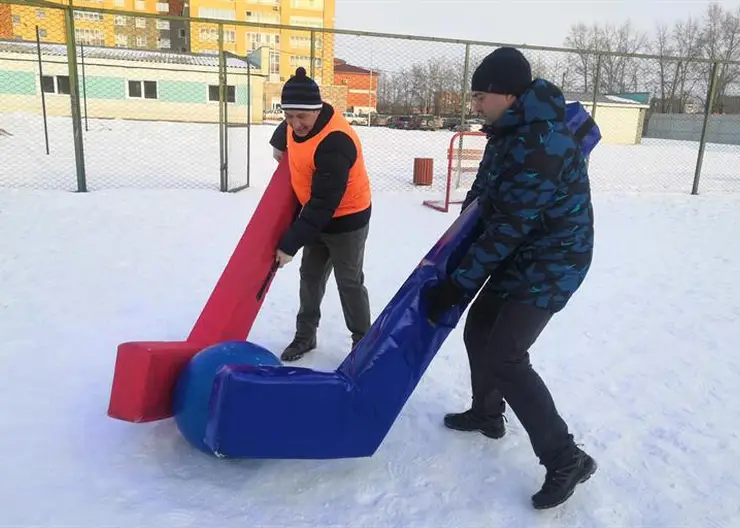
[
  {"x": 643, "y": 364},
  {"x": 130, "y": 154}
]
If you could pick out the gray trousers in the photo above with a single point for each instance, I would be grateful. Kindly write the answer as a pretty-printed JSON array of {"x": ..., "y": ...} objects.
[{"x": 345, "y": 254}]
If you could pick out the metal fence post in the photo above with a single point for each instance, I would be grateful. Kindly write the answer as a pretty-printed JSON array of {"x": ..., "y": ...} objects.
[
  {"x": 43, "y": 94},
  {"x": 84, "y": 84},
  {"x": 463, "y": 114},
  {"x": 222, "y": 95},
  {"x": 597, "y": 81},
  {"x": 74, "y": 99},
  {"x": 463, "y": 93},
  {"x": 313, "y": 54},
  {"x": 705, "y": 126},
  {"x": 595, "y": 96}
]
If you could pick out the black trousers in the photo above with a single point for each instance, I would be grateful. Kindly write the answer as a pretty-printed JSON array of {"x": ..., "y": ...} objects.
[
  {"x": 498, "y": 335},
  {"x": 345, "y": 254}
]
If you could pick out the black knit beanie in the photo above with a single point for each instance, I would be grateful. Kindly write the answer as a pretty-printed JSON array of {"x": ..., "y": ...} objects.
[
  {"x": 504, "y": 71},
  {"x": 300, "y": 92}
]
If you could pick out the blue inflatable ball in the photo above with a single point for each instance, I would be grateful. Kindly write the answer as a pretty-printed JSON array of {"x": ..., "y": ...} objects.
[{"x": 192, "y": 395}]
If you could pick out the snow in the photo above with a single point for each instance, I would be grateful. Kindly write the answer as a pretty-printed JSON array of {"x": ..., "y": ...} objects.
[
  {"x": 141, "y": 154},
  {"x": 642, "y": 364}
]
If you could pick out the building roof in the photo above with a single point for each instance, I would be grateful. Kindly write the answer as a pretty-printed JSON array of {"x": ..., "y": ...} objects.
[
  {"x": 124, "y": 54},
  {"x": 341, "y": 66},
  {"x": 584, "y": 97}
]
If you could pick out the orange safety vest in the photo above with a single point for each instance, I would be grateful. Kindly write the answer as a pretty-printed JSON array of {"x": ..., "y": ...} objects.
[{"x": 301, "y": 161}]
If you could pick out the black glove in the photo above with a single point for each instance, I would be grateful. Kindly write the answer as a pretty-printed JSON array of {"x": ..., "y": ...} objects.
[{"x": 441, "y": 297}]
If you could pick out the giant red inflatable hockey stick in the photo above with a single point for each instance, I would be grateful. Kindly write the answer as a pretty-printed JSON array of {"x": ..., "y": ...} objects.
[{"x": 146, "y": 371}]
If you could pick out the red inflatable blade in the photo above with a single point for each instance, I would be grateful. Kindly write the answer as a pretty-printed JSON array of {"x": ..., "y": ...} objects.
[{"x": 146, "y": 372}]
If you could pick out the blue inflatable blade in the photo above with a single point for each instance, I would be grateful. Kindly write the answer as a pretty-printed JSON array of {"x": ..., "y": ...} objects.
[
  {"x": 288, "y": 412},
  {"x": 583, "y": 126},
  {"x": 298, "y": 413}
]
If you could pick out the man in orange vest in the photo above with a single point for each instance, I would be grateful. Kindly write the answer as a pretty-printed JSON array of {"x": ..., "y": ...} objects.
[{"x": 328, "y": 175}]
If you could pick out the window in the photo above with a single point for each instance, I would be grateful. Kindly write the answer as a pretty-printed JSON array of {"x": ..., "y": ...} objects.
[
  {"x": 55, "y": 84},
  {"x": 266, "y": 18},
  {"x": 121, "y": 41},
  {"x": 141, "y": 41},
  {"x": 305, "y": 43},
  {"x": 274, "y": 63},
  {"x": 163, "y": 7},
  {"x": 230, "y": 93},
  {"x": 90, "y": 37},
  {"x": 163, "y": 25},
  {"x": 306, "y": 21},
  {"x": 121, "y": 20},
  {"x": 182, "y": 33},
  {"x": 211, "y": 35},
  {"x": 141, "y": 23},
  {"x": 88, "y": 15},
  {"x": 40, "y": 14},
  {"x": 142, "y": 89},
  {"x": 16, "y": 19},
  {"x": 164, "y": 43},
  {"x": 42, "y": 33},
  {"x": 255, "y": 40},
  {"x": 140, "y": 5},
  {"x": 119, "y": 3},
  {"x": 307, "y": 4},
  {"x": 300, "y": 60},
  {"x": 221, "y": 14}
]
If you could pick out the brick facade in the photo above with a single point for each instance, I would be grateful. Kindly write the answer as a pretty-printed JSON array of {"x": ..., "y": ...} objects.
[
  {"x": 6, "y": 22},
  {"x": 361, "y": 84}
]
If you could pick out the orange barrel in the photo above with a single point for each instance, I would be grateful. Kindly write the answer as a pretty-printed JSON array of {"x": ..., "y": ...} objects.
[{"x": 423, "y": 171}]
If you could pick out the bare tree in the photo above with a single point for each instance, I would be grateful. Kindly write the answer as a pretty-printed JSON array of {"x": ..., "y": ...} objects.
[
  {"x": 433, "y": 86},
  {"x": 720, "y": 41},
  {"x": 621, "y": 72},
  {"x": 584, "y": 40},
  {"x": 668, "y": 68},
  {"x": 687, "y": 40}
]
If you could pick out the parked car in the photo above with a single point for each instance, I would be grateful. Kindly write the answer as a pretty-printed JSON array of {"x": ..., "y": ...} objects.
[
  {"x": 401, "y": 122},
  {"x": 379, "y": 120},
  {"x": 355, "y": 119},
  {"x": 425, "y": 122}
]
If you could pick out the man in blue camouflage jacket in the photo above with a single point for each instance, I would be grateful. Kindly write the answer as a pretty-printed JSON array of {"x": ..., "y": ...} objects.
[{"x": 534, "y": 252}]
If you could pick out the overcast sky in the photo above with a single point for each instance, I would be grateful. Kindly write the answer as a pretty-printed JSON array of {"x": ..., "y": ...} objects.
[
  {"x": 534, "y": 22},
  {"x": 538, "y": 22}
]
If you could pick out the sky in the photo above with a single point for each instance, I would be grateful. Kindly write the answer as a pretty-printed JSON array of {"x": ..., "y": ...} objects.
[
  {"x": 536, "y": 22},
  {"x": 533, "y": 22}
]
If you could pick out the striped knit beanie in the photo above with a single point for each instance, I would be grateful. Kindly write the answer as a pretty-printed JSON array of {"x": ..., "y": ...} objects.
[{"x": 300, "y": 92}]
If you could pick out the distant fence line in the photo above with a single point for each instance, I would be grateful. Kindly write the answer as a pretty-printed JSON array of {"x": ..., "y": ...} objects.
[{"x": 222, "y": 95}]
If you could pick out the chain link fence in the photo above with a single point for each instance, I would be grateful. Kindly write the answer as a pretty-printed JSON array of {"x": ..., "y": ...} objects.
[
  {"x": 97, "y": 98},
  {"x": 36, "y": 139},
  {"x": 403, "y": 98}
]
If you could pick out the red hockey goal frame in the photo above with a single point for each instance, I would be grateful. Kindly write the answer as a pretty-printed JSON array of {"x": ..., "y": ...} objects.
[{"x": 456, "y": 154}]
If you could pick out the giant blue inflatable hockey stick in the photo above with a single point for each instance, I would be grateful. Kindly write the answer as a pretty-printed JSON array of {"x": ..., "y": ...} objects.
[{"x": 299, "y": 413}]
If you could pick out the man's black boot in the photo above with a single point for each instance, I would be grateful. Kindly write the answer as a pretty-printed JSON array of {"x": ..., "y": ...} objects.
[
  {"x": 562, "y": 478},
  {"x": 491, "y": 426}
]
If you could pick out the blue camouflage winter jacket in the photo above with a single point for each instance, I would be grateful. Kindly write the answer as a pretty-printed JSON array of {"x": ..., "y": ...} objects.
[{"x": 533, "y": 191}]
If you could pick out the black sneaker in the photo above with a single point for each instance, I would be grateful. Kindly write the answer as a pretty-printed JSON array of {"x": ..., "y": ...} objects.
[
  {"x": 561, "y": 481},
  {"x": 297, "y": 349},
  {"x": 490, "y": 426}
]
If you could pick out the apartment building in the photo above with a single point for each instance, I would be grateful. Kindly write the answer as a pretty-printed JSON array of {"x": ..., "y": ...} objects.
[
  {"x": 92, "y": 28},
  {"x": 288, "y": 48}
]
